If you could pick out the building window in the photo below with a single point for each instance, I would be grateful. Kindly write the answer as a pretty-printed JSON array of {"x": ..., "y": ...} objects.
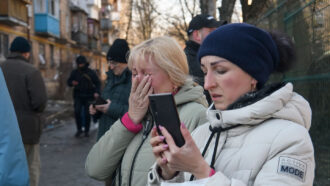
[
  {"x": 79, "y": 23},
  {"x": 42, "y": 61},
  {"x": 39, "y": 6},
  {"x": 67, "y": 24},
  {"x": 52, "y": 59},
  {"x": 53, "y": 8},
  {"x": 75, "y": 23},
  {"x": 4, "y": 46},
  {"x": 90, "y": 28}
]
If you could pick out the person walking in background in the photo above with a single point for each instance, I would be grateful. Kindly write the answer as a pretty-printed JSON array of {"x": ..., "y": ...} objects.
[
  {"x": 257, "y": 134},
  {"x": 116, "y": 90},
  {"x": 199, "y": 27},
  {"x": 14, "y": 167},
  {"x": 86, "y": 88},
  {"x": 123, "y": 154},
  {"x": 28, "y": 93}
]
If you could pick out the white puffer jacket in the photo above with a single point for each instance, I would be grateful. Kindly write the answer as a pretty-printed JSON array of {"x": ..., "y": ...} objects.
[{"x": 270, "y": 147}]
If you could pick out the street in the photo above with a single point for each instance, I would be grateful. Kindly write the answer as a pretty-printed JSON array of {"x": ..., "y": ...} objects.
[{"x": 63, "y": 156}]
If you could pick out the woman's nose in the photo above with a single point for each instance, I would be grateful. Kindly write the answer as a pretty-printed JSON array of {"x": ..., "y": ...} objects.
[{"x": 208, "y": 81}]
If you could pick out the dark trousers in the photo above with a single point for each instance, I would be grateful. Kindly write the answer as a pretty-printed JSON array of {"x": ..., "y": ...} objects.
[{"x": 81, "y": 112}]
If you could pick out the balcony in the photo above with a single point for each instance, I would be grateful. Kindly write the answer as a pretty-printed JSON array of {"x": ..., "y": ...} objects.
[
  {"x": 106, "y": 24},
  {"x": 14, "y": 12},
  {"x": 92, "y": 43},
  {"x": 45, "y": 24},
  {"x": 80, "y": 37},
  {"x": 105, "y": 48},
  {"x": 106, "y": 2}
]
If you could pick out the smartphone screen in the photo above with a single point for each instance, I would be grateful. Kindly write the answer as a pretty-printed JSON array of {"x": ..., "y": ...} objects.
[{"x": 163, "y": 109}]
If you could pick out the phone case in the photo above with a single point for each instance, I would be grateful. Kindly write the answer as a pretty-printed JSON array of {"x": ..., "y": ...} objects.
[
  {"x": 100, "y": 101},
  {"x": 163, "y": 109}
]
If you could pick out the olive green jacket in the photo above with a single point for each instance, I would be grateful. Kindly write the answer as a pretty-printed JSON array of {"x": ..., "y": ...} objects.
[{"x": 119, "y": 143}]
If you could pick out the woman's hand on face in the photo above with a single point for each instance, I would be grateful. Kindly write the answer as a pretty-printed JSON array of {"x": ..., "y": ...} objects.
[
  {"x": 103, "y": 108},
  {"x": 187, "y": 158},
  {"x": 138, "y": 99},
  {"x": 158, "y": 148},
  {"x": 92, "y": 110}
]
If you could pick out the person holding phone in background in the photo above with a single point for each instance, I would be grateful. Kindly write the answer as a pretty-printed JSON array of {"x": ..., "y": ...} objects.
[
  {"x": 123, "y": 153},
  {"x": 117, "y": 88},
  {"x": 257, "y": 134}
]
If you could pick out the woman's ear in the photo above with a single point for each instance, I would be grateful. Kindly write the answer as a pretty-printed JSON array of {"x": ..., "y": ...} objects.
[{"x": 253, "y": 84}]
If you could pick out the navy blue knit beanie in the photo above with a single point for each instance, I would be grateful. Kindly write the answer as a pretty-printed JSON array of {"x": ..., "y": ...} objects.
[
  {"x": 249, "y": 47},
  {"x": 20, "y": 44},
  {"x": 118, "y": 51}
]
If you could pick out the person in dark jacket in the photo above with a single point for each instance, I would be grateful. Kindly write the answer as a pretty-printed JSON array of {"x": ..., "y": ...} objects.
[
  {"x": 14, "y": 167},
  {"x": 117, "y": 88},
  {"x": 199, "y": 27},
  {"x": 28, "y": 93},
  {"x": 86, "y": 88}
]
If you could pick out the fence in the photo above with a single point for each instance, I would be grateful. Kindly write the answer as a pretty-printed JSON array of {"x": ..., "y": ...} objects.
[{"x": 308, "y": 22}]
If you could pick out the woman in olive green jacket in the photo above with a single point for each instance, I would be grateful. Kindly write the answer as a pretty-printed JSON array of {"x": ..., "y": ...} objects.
[{"x": 124, "y": 154}]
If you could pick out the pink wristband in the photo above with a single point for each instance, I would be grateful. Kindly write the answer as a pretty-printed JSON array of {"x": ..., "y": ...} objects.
[
  {"x": 130, "y": 125},
  {"x": 212, "y": 172}
]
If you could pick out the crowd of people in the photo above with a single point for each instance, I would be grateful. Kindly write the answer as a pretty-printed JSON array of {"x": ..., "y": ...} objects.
[{"x": 238, "y": 128}]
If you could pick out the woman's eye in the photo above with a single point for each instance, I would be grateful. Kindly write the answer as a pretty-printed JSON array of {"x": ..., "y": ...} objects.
[
  {"x": 204, "y": 72},
  {"x": 221, "y": 71}
]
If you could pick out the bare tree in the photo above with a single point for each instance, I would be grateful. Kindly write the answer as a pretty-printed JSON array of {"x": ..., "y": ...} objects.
[
  {"x": 145, "y": 20},
  {"x": 178, "y": 23},
  {"x": 251, "y": 12},
  {"x": 145, "y": 9},
  {"x": 129, "y": 14},
  {"x": 208, "y": 7},
  {"x": 226, "y": 10}
]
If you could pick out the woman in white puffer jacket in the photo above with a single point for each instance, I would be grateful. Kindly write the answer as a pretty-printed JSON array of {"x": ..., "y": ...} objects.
[{"x": 257, "y": 134}]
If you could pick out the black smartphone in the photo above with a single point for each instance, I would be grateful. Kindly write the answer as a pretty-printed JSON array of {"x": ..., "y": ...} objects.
[
  {"x": 163, "y": 110},
  {"x": 100, "y": 101}
]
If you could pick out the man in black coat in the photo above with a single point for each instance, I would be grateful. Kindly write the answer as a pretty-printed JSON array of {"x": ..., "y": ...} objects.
[
  {"x": 199, "y": 27},
  {"x": 86, "y": 87}
]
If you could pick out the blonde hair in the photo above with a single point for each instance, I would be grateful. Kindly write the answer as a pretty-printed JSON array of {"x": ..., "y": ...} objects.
[{"x": 166, "y": 53}]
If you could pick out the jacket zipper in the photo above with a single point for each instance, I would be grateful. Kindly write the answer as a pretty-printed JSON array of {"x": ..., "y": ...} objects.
[{"x": 144, "y": 137}]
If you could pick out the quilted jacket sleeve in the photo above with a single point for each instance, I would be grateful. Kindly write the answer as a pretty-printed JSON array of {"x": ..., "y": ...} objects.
[{"x": 105, "y": 155}]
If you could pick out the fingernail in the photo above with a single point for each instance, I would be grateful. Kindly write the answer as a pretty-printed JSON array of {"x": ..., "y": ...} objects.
[
  {"x": 183, "y": 125},
  {"x": 161, "y": 127},
  {"x": 165, "y": 146},
  {"x": 164, "y": 160},
  {"x": 162, "y": 138}
]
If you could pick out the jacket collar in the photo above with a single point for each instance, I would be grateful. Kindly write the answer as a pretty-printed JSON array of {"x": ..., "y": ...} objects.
[
  {"x": 192, "y": 45},
  {"x": 126, "y": 75},
  {"x": 277, "y": 101},
  {"x": 17, "y": 55}
]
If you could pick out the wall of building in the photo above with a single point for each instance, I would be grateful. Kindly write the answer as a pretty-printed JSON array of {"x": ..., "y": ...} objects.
[{"x": 59, "y": 53}]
